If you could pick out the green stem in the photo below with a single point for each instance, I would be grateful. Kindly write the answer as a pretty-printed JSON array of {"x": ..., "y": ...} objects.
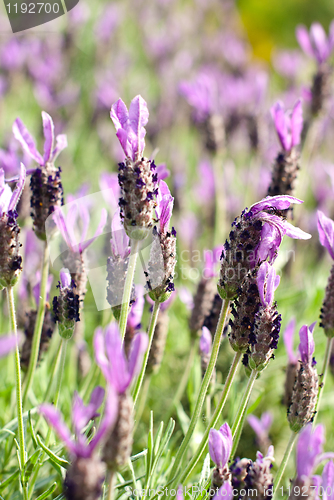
[
  {"x": 284, "y": 462},
  {"x": 128, "y": 287},
  {"x": 38, "y": 325},
  {"x": 55, "y": 402},
  {"x": 243, "y": 403},
  {"x": 111, "y": 491},
  {"x": 142, "y": 401},
  {"x": 322, "y": 377},
  {"x": 238, "y": 434},
  {"x": 203, "y": 389},
  {"x": 214, "y": 418},
  {"x": 153, "y": 322},
  {"x": 11, "y": 308}
]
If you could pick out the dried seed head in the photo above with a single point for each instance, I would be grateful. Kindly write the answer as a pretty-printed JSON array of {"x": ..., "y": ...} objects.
[
  {"x": 304, "y": 396},
  {"x": 203, "y": 301},
  {"x": 84, "y": 479},
  {"x": 158, "y": 343},
  {"x": 161, "y": 266},
  {"x": 117, "y": 449},
  {"x": 29, "y": 326},
  {"x": 10, "y": 260},
  {"x": 284, "y": 173},
  {"x": 327, "y": 310},
  {"x": 321, "y": 88},
  {"x": 138, "y": 184},
  {"x": 46, "y": 194},
  {"x": 66, "y": 306}
]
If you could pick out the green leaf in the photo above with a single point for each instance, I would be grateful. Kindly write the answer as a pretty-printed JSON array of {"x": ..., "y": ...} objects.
[
  {"x": 11, "y": 427},
  {"x": 9, "y": 479},
  {"x": 33, "y": 434},
  {"x": 29, "y": 466},
  {"x": 149, "y": 457},
  {"x": 47, "y": 492},
  {"x": 138, "y": 455},
  {"x": 205, "y": 472},
  {"x": 54, "y": 458},
  {"x": 158, "y": 438},
  {"x": 161, "y": 449},
  {"x": 183, "y": 418},
  {"x": 60, "y": 497}
]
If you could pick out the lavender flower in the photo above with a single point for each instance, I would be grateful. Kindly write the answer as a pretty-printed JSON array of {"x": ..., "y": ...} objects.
[
  {"x": 162, "y": 261},
  {"x": 86, "y": 474},
  {"x": 261, "y": 427},
  {"x": 66, "y": 306},
  {"x": 326, "y": 237},
  {"x": 259, "y": 476},
  {"x": 288, "y": 125},
  {"x": 10, "y": 259},
  {"x": 255, "y": 237},
  {"x": 305, "y": 390},
  {"x": 315, "y": 43},
  {"x": 220, "y": 446},
  {"x": 45, "y": 183},
  {"x": 119, "y": 372}
]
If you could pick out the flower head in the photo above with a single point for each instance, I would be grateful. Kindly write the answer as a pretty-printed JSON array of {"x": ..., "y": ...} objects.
[
  {"x": 117, "y": 370},
  {"x": 130, "y": 125},
  {"x": 315, "y": 43},
  {"x": 81, "y": 415},
  {"x": 309, "y": 446},
  {"x": 267, "y": 282},
  {"x": 326, "y": 232},
  {"x": 51, "y": 150},
  {"x": 306, "y": 346},
  {"x": 288, "y": 125},
  {"x": 220, "y": 445}
]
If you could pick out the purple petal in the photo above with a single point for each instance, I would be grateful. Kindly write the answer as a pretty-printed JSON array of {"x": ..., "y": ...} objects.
[
  {"x": 304, "y": 41},
  {"x": 122, "y": 136},
  {"x": 266, "y": 420},
  {"x": 48, "y": 129},
  {"x": 331, "y": 37},
  {"x": 280, "y": 202},
  {"x": 295, "y": 232},
  {"x": 110, "y": 189},
  {"x": 98, "y": 231},
  {"x": 326, "y": 232},
  {"x": 205, "y": 342},
  {"x": 281, "y": 122},
  {"x": 65, "y": 278},
  {"x": 162, "y": 171},
  {"x": 138, "y": 349},
  {"x": 179, "y": 493},
  {"x": 108, "y": 420},
  {"x": 120, "y": 240},
  {"x": 319, "y": 42},
  {"x": 138, "y": 117},
  {"x": 225, "y": 492},
  {"x": 271, "y": 238},
  {"x": 209, "y": 264},
  {"x": 18, "y": 189},
  {"x": 7, "y": 344},
  {"x": 309, "y": 446},
  {"x": 54, "y": 418},
  {"x": 100, "y": 354},
  {"x": 61, "y": 143},
  {"x": 136, "y": 311},
  {"x": 82, "y": 414},
  {"x": 220, "y": 445},
  {"x": 59, "y": 220},
  {"x": 306, "y": 346},
  {"x": 328, "y": 481},
  {"x": 256, "y": 425},
  {"x": 119, "y": 115},
  {"x": 296, "y": 123},
  {"x": 27, "y": 142},
  {"x": 267, "y": 283},
  {"x": 164, "y": 207},
  {"x": 288, "y": 341},
  {"x": 119, "y": 373}
]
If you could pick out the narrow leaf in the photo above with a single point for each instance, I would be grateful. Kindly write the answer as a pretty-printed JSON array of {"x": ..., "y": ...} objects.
[
  {"x": 9, "y": 479},
  {"x": 47, "y": 492},
  {"x": 54, "y": 458}
]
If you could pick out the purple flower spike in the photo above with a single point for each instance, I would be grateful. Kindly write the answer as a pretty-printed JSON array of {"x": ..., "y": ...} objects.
[
  {"x": 328, "y": 481},
  {"x": 267, "y": 282},
  {"x": 7, "y": 344},
  {"x": 288, "y": 341},
  {"x": 165, "y": 202},
  {"x": 81, "y": 415},
  {"x": 205, "y": 342},
  {"x": 306, "y": 346},
  {"x": 315, "y": 43},
  {"x": 309, "y": 446},
  {"x": 220, "y": 445},
  {"x": 27, "y": 142},
  {"x": 288, "y": 125},
  {"x": 130, "y": 125},
  {"x": 116, "y": 369},
  {"x": 326, "y": 232}
]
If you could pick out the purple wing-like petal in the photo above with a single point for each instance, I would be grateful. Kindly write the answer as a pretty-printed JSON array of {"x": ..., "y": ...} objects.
[
  {"x": 280, "y": 202},
  {"x": 309, "y": 446},
  {"x": 288, "y": 340},
  {"x": 205, "y": 342},
  {"x": 7, "y": 344},
  {"x": 65, "y": 278},
  {"x": 122, "y": 136},
  {"x": 100, "y": 353},
  {"x": 120, "y": 377},
  {"x": 267, "y": 283},
  {"x": 266, "y": 420},
  {"x": 138, "y": 349},
  {"x": 295, "y": 232},
  {"x": 120, "y": 240},
  {"x": 82, "y": 414},
  {"x": 98, "y": 231},
  {"x": 18, "y": 189},
  {"x": 119, "y": 115},
  {"x": 326, "y": 232},
  {"x": 319, "y": 42},
  {"x": 48, "y": 129},
  {"x": 60, "y": 222},
  {"x": 306, "y": 346},
  {"x": 281, "y": 125},
  {"x": 54, "y": 418},
  {"x": 296, "y": 123},
  {"x": 328, "y": 481},
  {"x": 138, "y": 116},
  {"x": 256, "y": 425},
  {"x": 304, "y": 41},
  {"x": 61, "y": 143},
  {"x": 220, "y": 445},
  {"x": 27, "y": 142},
  {"x": 108, "y": 420},
  {"x": 136, "y": 311}
]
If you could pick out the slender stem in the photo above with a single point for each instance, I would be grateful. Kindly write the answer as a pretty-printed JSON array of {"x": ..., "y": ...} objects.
[
  {"x": 238, "y": 434},
  {"x": 38, "y": 325},
  {"x": 153, "y": 322},
  {"x": 284, "y": 462},
  {"x": 64, "y": 343},
  {"x": 11, "y": 308},
  {"x": 111, "y": 491},
  {"x": 128, "y": 287},
  {"x": 214, "y": 418},
  {"x": 141, "y": 401},
  {"x": 204, "y": 387},
  {"x": 243, "y": 403},
  {"x": 322, "y": 377},
  {"x": 184, "y": 379}
]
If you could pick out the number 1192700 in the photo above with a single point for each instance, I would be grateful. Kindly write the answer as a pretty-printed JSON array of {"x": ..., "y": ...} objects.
[{"x": 33, "y": 8}]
